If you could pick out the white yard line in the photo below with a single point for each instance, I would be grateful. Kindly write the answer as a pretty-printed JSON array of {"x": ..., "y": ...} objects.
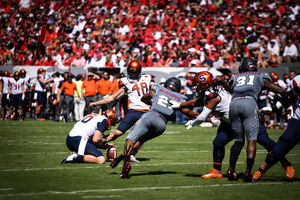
[{"x": 143, "y": 188}]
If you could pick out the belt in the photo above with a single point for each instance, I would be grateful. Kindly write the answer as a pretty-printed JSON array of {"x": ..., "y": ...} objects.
[{"x": 248, "y": 97}]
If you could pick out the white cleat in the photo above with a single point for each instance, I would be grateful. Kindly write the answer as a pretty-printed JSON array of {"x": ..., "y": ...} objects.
[
  {"x": 133, "y": 159},
  {"x": 70, "y": 158}
]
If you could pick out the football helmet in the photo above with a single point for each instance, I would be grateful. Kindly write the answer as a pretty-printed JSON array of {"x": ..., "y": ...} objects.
[
  {"x": 188, "y": 76},
  {"x": 247, "y": 64},
  {"x": 54, "y": 103},
  {"x": 40, "y": 70},
  {"x": 173, "y": 84},
  {"x": 23, "y": 73},
  {"x": 11, "y": 75},
  {"x": 202, "y": 79},
  {"x": 134, "y": 69},
  {"x": 5, "y": 73},
  {"x": 111, "y": 115},
  {"x": 274, "y": 78}
]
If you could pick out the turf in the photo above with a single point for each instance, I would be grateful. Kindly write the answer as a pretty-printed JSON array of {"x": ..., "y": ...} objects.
[{"x": 171, "y": 167}]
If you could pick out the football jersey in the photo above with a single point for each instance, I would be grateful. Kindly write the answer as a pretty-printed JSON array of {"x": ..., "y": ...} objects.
[
  {"x": 26, "y": 81},
  {"x": 56, "y": 81},
  {"x": 16, "y": 85},
  {"x": 89, "y": 124},
  {"x": 38, "y": 85},
  {"x": 248, "y": 84},
  {"x": 222, "y": 108},
  {"x": 5, "y": 84},
  {"x": 135, "y": 90},
  {"x": 160, "y": 100}
]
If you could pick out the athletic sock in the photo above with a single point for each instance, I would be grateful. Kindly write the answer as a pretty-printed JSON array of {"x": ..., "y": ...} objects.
[
  {"x": 126, "y": 158},
  {"x": 134, "y": 153},
  {"x": 218, "y": 166},
  {"x": 119, "y": 159},
  {"x": 234, "y": 153},
  {"x": 262, "y": 171},
  {"x": 250, "y": 162},
  {"x": 78, "y": 159}
]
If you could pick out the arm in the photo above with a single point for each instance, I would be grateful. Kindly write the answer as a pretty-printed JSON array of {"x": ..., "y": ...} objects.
[
  {"x": 109, "y": 99},
  {"x": 58, "y": 94},
  {"x": 189, "y": 113},
  {"x": 53, "y": 89},
  {"x": 98, "y": 137},
  {"x": 46, "y": 81},
  {"x": 147, "y": 98},
  {"x": 274, "y": 88}
]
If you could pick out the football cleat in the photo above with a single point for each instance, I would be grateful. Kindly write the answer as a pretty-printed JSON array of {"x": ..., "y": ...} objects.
[
  {"x": 133, "y": 159},
  {"x": 113, "y": 163},
  {"x": 213, "y": 174},
  {"x": 289, "y": 170},
  {"x": 70, "y": 158},
  {"x": 232, "y": 176},
  {"x": 247, "y": 176},
  {"x": 256, "y": 176},
  {"x": 125, "y": 170},
  {"x": 271, "y": 125},
  {"x": 20, "y": 119}
]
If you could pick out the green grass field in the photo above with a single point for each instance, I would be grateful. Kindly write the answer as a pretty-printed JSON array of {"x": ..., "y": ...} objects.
[{"x": 171, "y": 167}]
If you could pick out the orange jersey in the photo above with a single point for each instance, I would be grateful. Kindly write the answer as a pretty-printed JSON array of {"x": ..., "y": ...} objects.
[
  {"x": 103, "y": 86},
  {"x": 69, "y": 88},
  {"x": 90, "y": 87},
  {"x": 114, "y": 86}
]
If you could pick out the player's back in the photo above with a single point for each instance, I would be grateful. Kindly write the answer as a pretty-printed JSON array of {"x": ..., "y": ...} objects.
[
  {"x": 160, "y": 100},
  {"x": 87, "y": 126},
  {"x": 136, "y": 89},
  {"x": 248, "y": 84}
]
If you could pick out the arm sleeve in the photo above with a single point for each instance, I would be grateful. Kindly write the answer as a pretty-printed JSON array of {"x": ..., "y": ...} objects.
[
  {"x": 103, "y": 126},
  {"x": 203, "y": 116}
]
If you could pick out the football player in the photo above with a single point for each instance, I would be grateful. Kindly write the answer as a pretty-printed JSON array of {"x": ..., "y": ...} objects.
[
  {"x": 5, "y": 103},
  {"x": 26, "y": 84},
  {"x": 153, "y": 123},
  {"x": 40, "y": 89},
  {"x": 215, "y": 97},
  {"x": 86, "y": 137},
  {"x": 16, "y": 94},
  {"x": 289, "y": 138},
  {"x": 243, "y": 112},
  {"x": 135, "y": 85}
]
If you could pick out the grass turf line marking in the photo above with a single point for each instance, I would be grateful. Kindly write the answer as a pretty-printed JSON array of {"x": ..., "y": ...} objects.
[
  {"x": 5, "y": 189},
  {"x": 144, "y": 188},
  {"x": 100, "y": 197}
]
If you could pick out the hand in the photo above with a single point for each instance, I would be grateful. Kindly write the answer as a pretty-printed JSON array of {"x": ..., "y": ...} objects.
[
  {"x": 289, "y": 112},
  {"x": 215, "y": 120},
  {"x": 92, "y": 105},
  {"x": 23, "y": 97},
  {"x": 175, "y": 104},
  {"x": 7, "y": 96},
  {"x": 189, "y": 124},
  {"x": 79, "y": 99},
  {"x": 266, "y": 110}
]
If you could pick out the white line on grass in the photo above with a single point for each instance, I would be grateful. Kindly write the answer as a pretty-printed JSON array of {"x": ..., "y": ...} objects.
[
  {"x": 144, "y": 188},
  {"x": 100, "y": 197},
  {"x": 5, "y": 189}
]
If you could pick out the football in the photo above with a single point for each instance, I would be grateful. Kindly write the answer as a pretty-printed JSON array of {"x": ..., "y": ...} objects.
[{"x": 111, "y": 153}]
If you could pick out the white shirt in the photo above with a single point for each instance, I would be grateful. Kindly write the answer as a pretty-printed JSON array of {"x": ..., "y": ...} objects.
[
  {"x": 16, "y": 85},
  {"x": 5, "y": 84},
  {"x": 123, "y": 30},
  {"x": 218, "y": 64},
  {"x": 81, "y": 25},
  {"x": 40, "y": 86},
  {"x": 290, "y": 51},
  {"x": 100, "y": 63},
  {"x": 25, "y": 3},
  {"x": 57, "y": 59},
  {"x": 135, "y": 90},
  {"x": 56, "y": 81},
  {"x": 90, "y": 63}
]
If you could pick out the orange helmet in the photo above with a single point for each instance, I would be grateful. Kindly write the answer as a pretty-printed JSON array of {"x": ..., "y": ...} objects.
[
  {"x": 274, "y": 78},
  {"x": 202, "y": 79},
  {"x": 272, "y": 73},
  {"x": 5, "y": 73},
  {"x": 11, "y": 75},
  {"x": 188, "y": 76},
  {"x": 134, "y": 69},
  {"x": 111, "y": 115},
  {"x": 23, "y": 73},
  {"x": 54, "y": 103},
  {"x": 40, "y": 70}
]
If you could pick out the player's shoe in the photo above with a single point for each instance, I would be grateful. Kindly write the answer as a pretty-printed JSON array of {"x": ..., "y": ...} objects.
[
  {"x": 247, "y": 176},
  {"x": 133, "y": 159},
  {"x": 113, "y": 163},
  {"x": 277, "y": 127},
  {"x": 7, "y": 118},
  {"x": 289, "y": 170},
  {"x": 213, "y": 174},
  {"x": 271, "y": 125},
  {"x": 20, "y": 119},
  {"x": 256, "y": 176},
  {"x": 40, "y": 119},
  {"x": 232, "y": 176},
  {"x": 70, "y": 158},
  {"x": 125, "y": 170},
  {"x": 1, "y": 117}
]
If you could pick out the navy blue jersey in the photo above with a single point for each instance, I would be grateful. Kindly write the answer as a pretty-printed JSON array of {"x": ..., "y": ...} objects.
[{"x": 160, "y": 100}]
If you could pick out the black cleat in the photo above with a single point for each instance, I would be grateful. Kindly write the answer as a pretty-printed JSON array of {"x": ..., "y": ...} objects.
[
  {"x": 125, "y": 170},
  {"x": 231, "y": 174},
  {"x": 247, "y": 176},
  {"x": 113, "y": 163}
]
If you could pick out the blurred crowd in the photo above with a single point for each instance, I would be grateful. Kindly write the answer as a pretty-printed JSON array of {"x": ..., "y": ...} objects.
[{"x": 158, "y": 33}]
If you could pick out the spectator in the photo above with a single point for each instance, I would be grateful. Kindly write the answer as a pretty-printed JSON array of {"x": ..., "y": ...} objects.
[
  {"x": 100, "y": 61},
  {"x": 218, "y": 63},
  {"x": 79, "y": 102},
  {"x": 79, "y": 61},
  {"x": 290, "y": 53},
  {"x": 103, "y": 87},
  {"x": 89, "y": 90}
]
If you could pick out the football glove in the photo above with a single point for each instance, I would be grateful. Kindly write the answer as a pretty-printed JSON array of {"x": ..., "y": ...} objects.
[
  {"x": 23, "y": 97},
  {"x": 189, "y": 124},
  {"x": 215, "y": 120},
  {"x": 7, "y": 96},
  {"x": 289, "y": 112},
  {"x": 175, "y": 104}
]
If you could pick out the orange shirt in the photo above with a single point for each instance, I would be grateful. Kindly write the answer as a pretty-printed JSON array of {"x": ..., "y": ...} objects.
[
  {"x": 90, "y": 87},
  {"x": 114, "y": 86},
  {"x": 69, "y": 88},
  {"x": 103, "y": 86}
]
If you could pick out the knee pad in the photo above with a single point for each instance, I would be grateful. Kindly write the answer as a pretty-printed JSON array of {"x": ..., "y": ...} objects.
[
  {"x": 217, "y": 145},
  {"x": 271, "y": 159}
]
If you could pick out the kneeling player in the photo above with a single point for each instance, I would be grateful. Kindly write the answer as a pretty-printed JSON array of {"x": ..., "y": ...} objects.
[{"x": 86, "y": 137}]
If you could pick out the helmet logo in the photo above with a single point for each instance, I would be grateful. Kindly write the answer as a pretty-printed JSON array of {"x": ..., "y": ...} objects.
[{"x": 202, "y": 78}]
